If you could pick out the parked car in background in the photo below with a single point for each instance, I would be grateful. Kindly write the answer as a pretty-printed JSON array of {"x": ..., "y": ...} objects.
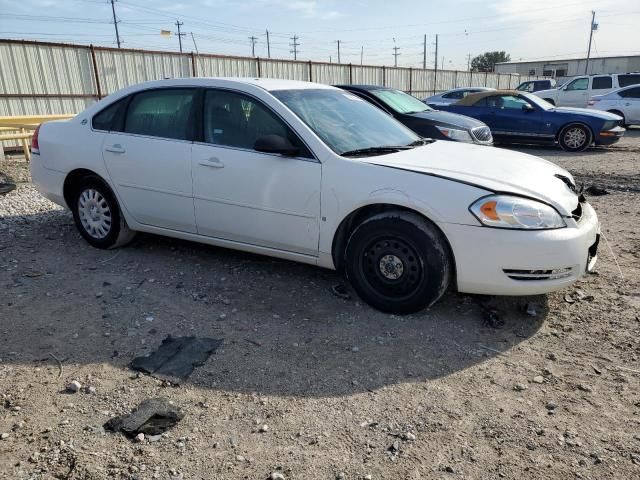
[
  {"x": 536, "y": 85},
  {"x": 314, "y": 174},
  {"x": 517, "y": 117},
  {"x": 452, "y": 96},
  {"x": 578, "y": 91},
  {"x": 421, "y": 118},
  {"x": 624, "y": 102}
]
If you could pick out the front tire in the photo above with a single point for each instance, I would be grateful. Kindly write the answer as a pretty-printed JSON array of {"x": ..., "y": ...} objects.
[
  {"x": 97, "y": 215},
  {"x": 575, "y": 138},
  {"x": 398, "y": 262}
]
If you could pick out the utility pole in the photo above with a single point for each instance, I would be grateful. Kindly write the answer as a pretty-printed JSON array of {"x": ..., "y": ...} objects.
[
  {"x": 594, "y": 26},
  {"x": 435, "y": 69},
  {"x": 395, "y": 53},
  {"x": 468, "y": 62},
  {"x": 294, "y": 43},
  {"x": 253, "y": 41},
  {"x": 115, "y": 22},
  {"x": 338, "y": 42},
  {"x": 424, "y": 53},
  {"x": 268, "y": 46},
  {"x": 436, "y": 65},
  {"x": 361, "y": 53},
  {"x": 179, "y": 34}
]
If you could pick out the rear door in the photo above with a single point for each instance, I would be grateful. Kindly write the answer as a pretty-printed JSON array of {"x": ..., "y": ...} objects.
[
  {"x": 601, "y": 85},
  {"x": 575, "y": 93},
  {"x": 149, "y": 158}
]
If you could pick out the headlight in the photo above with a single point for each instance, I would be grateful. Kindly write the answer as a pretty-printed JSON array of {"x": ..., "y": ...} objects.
[
  {"x": 455, "y": 134},
  {"x": 505, "y": 211}
]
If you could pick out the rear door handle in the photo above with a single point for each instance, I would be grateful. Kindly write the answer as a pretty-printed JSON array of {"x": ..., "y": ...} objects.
[
  {"x": 116, "y": 148},
  {"x": 212, "y": 162}
]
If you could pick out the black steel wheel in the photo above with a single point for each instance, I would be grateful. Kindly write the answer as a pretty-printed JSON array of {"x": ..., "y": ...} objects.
[{"x": 398, "y": 262}]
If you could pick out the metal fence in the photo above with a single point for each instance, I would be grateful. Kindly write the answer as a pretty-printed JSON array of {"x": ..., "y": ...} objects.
[{"x": 39, "y": 78}]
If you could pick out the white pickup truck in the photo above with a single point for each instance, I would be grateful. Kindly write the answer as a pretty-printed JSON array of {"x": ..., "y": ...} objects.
[{"x": 577, "y": 91}]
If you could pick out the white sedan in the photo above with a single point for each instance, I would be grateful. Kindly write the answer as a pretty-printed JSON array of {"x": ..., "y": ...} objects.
[
  {"x": 624, "y": 102},
  {"x": 314, "y": 174}
]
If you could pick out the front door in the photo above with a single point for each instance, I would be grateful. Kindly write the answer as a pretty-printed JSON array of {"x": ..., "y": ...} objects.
[
  {"x": 149, "y": 161},
  {"x": 247, "y": 196},
  {"x": 575, "y": 93}
]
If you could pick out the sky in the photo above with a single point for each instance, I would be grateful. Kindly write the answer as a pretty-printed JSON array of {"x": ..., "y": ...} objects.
[{"x": 544, "y": 29}]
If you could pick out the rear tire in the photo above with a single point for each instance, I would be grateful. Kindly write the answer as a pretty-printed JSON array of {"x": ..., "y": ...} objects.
[
  {"x": 398, "y": 262},
  {"x": 97, "y": 215},
  {"x": 575, "y": 137}
]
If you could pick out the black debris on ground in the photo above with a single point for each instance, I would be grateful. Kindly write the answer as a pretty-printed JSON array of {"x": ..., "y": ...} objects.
[
  {"x": 596, "y": 191},
  {"x": 341, "y": 291},
  {"x": 176, "y": 357},
  {"x": 151, "y": 417}
]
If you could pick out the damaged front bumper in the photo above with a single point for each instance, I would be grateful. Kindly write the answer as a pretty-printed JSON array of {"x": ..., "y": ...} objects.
[{"x": 494, "y": 261}]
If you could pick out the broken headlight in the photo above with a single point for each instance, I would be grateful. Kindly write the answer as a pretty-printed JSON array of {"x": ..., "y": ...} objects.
[{"x": 506, "y": 211}]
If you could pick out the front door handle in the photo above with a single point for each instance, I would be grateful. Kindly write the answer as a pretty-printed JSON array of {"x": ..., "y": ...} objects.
[
  {"x": 212, "y": 162},
  {"x": 116, "y": 148}
]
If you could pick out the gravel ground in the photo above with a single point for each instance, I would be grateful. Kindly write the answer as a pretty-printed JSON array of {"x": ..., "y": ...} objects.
[{"x": 344, "y": 391}]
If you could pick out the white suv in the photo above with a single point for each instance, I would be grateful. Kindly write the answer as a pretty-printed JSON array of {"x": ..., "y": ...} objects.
[{"x": 578, "y": 91}]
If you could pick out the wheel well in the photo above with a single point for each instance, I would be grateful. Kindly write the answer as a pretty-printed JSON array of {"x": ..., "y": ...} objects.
[
  {"x": 74, "y": 180},
  {"x": 616, "y": 112},
  {"x": 355, "y": 218},
  {"x": 582, "y": 124}
]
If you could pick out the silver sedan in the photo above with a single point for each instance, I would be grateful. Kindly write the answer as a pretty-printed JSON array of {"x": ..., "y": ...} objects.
[
  {"x": 452, "y": 96},
  {"x": 623, "y": 101}
]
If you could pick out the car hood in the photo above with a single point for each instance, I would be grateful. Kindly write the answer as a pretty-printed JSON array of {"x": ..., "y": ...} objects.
[
  {"x": 493, "y": 169},
  {"x": 586, "y": 111},
  {"x": 550, "y": 91},
  {"x": 449, "y": 119}
]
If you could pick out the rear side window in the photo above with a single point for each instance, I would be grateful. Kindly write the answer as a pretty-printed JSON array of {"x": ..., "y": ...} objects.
[
  {"x": 631, "y": 93},
  {"x": 109, "y": 119},
  {"x": 458, "y": 94},
  {"x": 626, "y": 80},
  {"x": 162, "y": 113},
  {"x": 600, "y": 83}
]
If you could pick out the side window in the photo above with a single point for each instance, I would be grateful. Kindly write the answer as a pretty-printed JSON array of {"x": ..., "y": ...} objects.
[
  {"x": 164, "y": 113},
  {"x": 578, "y": 84},
  {"x": 631, "y": 93},
  {"x": 457, "y": 95},
  {"x": 510, "y": 102},
  {"x": 626, "y": 80},
  {"x": 110, "y": 118},
  {"x": 600, "y": 83},
  {"x": 236, "y": 120}
]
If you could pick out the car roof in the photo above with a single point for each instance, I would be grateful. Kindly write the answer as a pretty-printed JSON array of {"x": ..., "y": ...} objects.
[
  {"x": 269, "y": 84},
  {"x": 474, "y": 97}
]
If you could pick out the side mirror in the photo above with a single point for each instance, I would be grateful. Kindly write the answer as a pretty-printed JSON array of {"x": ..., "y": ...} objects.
[
  {"x": 528, "y": 108},
  {"x": 276, "y": 144}
]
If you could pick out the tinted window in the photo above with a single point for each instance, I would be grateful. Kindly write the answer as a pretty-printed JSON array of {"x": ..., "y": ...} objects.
[
  {"x": 108, "y": 118},
  {"x": 601, "y": 82},
  {"x": 162, "y": 113},
  {"x": 526, "y": 87},
  {"x": 626, "y": 80},
  {"x": 579, "y": 84},
  {"x": 631, "y": 93},
  {"x": 235, "y": 120},
  {"x": 343, "y": 121},
  {"x": 508, "y": 102},
  {"x": 458, "y": 94}
]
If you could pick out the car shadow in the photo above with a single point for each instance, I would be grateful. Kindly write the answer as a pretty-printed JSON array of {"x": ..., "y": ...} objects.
[{"x": 284, "y": 330}]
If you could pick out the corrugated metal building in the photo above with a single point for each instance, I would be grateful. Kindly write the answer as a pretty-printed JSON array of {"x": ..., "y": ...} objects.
[{"x": 571, "y": 67}]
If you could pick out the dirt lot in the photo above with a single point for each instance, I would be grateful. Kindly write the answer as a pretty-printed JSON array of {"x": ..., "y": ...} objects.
[{"x": 344, "y": 391}]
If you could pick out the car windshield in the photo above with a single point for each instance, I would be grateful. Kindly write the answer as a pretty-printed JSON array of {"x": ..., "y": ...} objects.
[
  {"x": 345, "y": 122},
  {"x": 400, "y": 101},
  {"x": 543, "y": 104}
]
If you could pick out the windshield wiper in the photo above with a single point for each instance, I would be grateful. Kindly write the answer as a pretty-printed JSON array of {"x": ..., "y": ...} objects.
[
  {"x": 421, "y": 141},
  {"x": 376, "y": 150}
]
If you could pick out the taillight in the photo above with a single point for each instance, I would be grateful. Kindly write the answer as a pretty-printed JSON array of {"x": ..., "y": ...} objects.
[{"x": 35, "y": 147}]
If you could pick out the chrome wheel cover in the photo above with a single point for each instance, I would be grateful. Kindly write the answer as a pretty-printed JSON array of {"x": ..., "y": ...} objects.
[
  {"x": 94, "y": 213},
  {"x": 575, "y": 137}
]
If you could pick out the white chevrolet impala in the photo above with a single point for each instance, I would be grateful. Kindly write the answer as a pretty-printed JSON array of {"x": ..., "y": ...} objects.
[{"x": 314, "y": 174}]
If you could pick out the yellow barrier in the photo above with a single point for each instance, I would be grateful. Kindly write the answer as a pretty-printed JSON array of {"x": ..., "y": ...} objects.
[{"x": 22, "y": 123}]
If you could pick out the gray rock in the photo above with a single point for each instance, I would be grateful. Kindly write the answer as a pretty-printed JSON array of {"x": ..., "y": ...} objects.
[
  {"x": 519, "y": 387},
  {"x": 74, "y": 387},
  {"x": 4, "y": 436},
  {"x": 277, "y": 476},
  {"x": 538, "y": 379}
]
